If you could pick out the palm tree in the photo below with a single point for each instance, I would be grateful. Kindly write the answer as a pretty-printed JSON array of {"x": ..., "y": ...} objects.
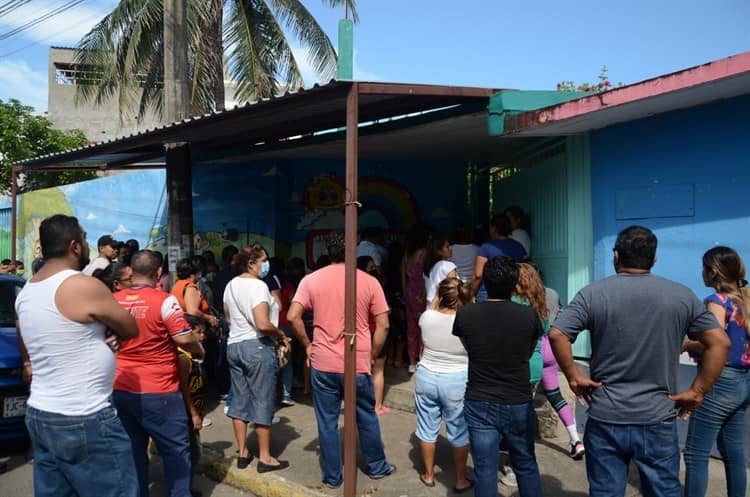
[{"x": 122, "y": 56}]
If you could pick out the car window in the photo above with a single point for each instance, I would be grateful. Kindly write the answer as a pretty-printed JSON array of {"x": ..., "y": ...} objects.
[{"x": 8, "y": 292}]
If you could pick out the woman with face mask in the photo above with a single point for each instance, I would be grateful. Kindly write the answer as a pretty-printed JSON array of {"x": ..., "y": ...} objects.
[
  {"x": 253, "y": 318},
  {"x": 188, "y": 294}
]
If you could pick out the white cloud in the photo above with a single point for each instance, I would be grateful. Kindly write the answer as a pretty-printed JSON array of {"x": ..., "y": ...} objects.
[
  {"x": 18, "y": 80},
  {"x": 121, "y": 229},
  {"x": 91, "y": 216},
  {"x": 64, "y": 28}
]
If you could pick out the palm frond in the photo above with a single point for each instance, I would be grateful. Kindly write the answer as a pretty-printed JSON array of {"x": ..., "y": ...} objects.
[
  {"x": 249, "y": 61},
  {"x": 298, "y": 20}
]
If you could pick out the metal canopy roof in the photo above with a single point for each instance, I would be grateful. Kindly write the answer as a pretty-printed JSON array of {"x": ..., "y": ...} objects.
[
  {"x": 718, "y": 80},
  {"x": 305, "y": 112},
  {"x": 438, "y": 136}
]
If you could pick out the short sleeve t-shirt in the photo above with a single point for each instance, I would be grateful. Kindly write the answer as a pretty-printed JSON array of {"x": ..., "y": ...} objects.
[
  {"x": 148, "y": 363},
  {"x": 323, "y": 293},
  {"x": 499, "y": 336},
  {"x": 736, "y": 328},
  {"x": 438, "y": 273},
  {"x": 443, "y": 352},
  {"x": 637, "y": 324},
  {"x": 247, "y": 293},
  {"x": 500, "y": 247}
]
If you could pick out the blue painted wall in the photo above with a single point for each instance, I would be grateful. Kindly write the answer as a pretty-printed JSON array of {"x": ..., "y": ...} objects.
[
  {"x": 684, "y": 174},
  {"x": 271, "y": 198}
]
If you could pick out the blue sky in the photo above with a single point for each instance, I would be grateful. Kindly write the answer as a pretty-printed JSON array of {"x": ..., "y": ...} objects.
[{"x": 494, "y": 43}]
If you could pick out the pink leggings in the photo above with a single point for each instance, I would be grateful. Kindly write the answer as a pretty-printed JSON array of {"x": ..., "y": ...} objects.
[{"x": 551, "y": 385}]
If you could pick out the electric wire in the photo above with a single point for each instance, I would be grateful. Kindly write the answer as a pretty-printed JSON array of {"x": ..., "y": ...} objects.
[
  {"x": 10, "y": 6},
  {"x": 52, "y": 13}
]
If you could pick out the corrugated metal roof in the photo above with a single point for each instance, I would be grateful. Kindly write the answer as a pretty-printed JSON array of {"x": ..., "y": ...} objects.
[{"x": 300, "y": 112}]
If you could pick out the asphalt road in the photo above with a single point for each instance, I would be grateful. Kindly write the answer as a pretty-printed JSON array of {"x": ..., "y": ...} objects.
[{"x": 17, "y": 471}]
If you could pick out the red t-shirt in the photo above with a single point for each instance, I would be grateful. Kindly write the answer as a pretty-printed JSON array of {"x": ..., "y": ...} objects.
[
  {"x": 323, "y": 292},
  {"x": 148, "y": 363}
]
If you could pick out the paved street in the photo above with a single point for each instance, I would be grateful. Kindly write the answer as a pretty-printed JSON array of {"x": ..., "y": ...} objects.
[{"x": 16, "y": 478}]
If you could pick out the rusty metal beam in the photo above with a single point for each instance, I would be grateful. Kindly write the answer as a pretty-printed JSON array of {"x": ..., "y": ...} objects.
[
  {"x": 424, "y": 90},
  {"x": 350, "y": 299}
]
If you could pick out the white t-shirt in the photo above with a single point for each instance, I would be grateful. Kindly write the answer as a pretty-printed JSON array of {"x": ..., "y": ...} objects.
[
  {"x": 247, "y": 293},
  {"x": 523, "y": 238},
  {"x": 443, "y": 352},
  {"x": 375, "y": 251},
  {"x": 98, "y": 263},
  {"x": 438, "y": 273},
  {"x": 464, "y": 256}
]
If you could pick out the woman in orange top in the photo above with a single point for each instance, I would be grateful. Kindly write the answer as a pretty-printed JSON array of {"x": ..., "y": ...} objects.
[{"x": 189, "y": 295}]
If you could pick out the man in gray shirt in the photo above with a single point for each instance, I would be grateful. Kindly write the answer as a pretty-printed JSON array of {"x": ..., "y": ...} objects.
[{"x": 638, "y": 322}]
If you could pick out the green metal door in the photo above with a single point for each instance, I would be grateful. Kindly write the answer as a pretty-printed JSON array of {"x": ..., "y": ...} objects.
[
  {"x": 552, "y": 183},
  {"x": 537, "y": 182}
]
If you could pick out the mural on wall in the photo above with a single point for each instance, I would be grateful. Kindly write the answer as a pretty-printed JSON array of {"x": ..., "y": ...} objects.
[{"x": 386, "y": 204}]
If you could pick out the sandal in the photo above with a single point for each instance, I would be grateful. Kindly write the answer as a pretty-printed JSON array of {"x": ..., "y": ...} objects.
[
  {"x": 462, "y": 490},
  {"x": 243, "y": 462},
  {"x": 425, "y": 482}
]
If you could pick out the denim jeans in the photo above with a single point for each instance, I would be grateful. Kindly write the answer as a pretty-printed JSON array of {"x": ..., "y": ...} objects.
[
  {"x": 163, "y": 418},
  {"x": 86, "y": 456},
  {"x": 491, "y": 422},
  {"x": 328, "y": 390},
  {"x": 438, "y": 397},
  {"x": 719, "y": 419},
  {"x": 287, "y": 372},
  {"x": 652, "y": 448}
]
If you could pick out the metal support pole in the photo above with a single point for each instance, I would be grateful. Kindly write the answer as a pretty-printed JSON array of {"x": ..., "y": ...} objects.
[
  {"x": 13, "y": 211},
  {"x": 350, "y": 301}
]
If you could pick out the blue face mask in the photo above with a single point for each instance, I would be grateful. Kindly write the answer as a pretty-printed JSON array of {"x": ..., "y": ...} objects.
[{"x": 264, "y": 269}]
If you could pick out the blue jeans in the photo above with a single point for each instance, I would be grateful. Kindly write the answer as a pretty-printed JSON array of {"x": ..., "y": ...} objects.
[
  {"x": 85, "y": 456},
  {"x": 719, "y": 419},
  {"x": 328, "y": 390},
  {"x": 287, "y": 372},
  {"x": 163, "y": 418},
  {"x": 652, "y": 448},
  {"x": 491, "y": 422}
]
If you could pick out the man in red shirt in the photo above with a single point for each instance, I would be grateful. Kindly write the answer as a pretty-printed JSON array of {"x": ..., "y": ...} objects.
[
  {"x": 323, "y": 293},
  {"x": 147, "y": 388}
]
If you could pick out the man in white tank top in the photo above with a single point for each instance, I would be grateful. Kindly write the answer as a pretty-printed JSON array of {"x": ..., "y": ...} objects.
[{"x": 80, "y": 445}]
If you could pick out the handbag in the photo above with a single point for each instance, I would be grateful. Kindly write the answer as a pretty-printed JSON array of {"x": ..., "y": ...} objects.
[{"x": 282, "y": 351}]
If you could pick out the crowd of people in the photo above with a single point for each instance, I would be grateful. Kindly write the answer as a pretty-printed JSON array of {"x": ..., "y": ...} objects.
[{"x": 472, "y": 320}]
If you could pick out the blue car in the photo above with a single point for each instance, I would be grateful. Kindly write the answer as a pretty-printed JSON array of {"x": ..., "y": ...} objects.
[{"x": 13, "y": 391}]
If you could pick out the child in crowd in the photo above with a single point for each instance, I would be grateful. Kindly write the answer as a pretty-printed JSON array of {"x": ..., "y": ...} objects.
[{"x": 192, "y": 386}]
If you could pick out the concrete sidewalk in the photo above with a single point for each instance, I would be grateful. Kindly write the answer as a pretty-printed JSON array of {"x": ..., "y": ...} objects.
[{"x": 295, "y": 439}]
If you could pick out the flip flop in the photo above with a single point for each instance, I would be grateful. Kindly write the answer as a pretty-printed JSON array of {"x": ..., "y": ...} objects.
[
  {"x": 462, "y": 490},
  {"x": 426, "y": 483}
]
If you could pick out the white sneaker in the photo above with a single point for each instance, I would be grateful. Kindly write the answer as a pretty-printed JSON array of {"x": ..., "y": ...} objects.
[
  {"x": 207, "y": 422},
  {"x": 412, "y": 368},
  {"x": 287, "y": 402},
  {"x": 226, "y": 409},
  {"x": 508, "y": 476}
]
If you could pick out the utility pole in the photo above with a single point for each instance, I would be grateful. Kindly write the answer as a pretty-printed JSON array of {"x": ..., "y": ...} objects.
[{"x": 176, "y": 108}]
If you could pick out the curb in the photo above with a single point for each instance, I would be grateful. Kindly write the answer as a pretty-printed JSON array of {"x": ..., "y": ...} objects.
[{"x": 224, "y": 470}]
